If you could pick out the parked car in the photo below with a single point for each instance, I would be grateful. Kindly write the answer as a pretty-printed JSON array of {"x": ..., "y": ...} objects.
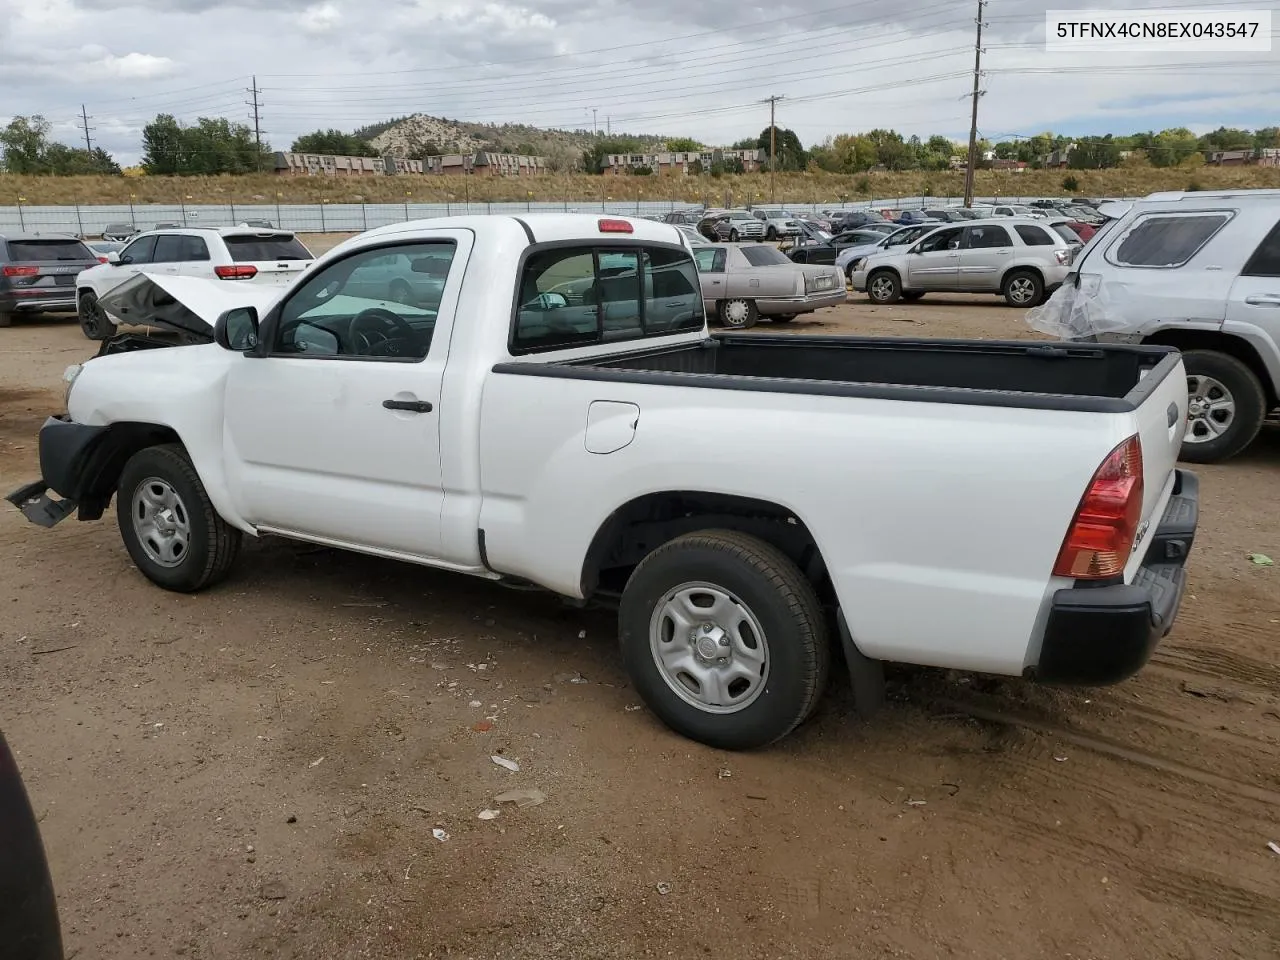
[
  {"x": 118, "y": 231},
  {"x": 258, "y": 224},
  {"x": 945, "y": 215},
  {"x": 692, "y": 235},
  {"x": 1017, "y": 258},
  {"x": 777, "y": 222},
  {"x": 29, "y": 924},
  {"x": 810, "y": 233},
  {"x": 742, "y": 284},
  {"x": 38, "y": 273},
  {"x": 732, "y": 225},
  {"x": 103, "y": 248},
  {"x": 240, "y": 254},
  {"x": 850, "y": 219},
  {"x": 166, "y": 225},
  {"x": 908, "y": 218},
  {"x": 1016, "y": 210},
  {"x": 1198, "y": 271},
  {"x": 1073, "y": 231},
  {"x": 848, "y": 259},
  {"x": 882, "y": 227},
  {"x": 825, "y": 253},
  {"x": 704, "y": 481},
  {"x": 688, "y": 218},
  {"x": 821, "y": 221}
]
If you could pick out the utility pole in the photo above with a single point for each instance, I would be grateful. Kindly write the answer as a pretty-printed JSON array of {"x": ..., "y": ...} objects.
[
  {"x": 254, "y": 92},
  {"x": 594, "y": 130},
  {"x": 84, "y": 119},
  {"x": 773, "y": 140},
  {"x": 973, "y": 120}
]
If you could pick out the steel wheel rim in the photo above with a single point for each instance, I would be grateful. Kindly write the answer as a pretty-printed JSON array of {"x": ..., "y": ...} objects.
[
  {"x": 736, "y": 313},
  {"x": 1021, "y": 289},
  {"x": 161, "y": 522},
  {"x": 709, "y": 648},
  {"x": 1211, "y": 409},
  {"x": 882, "y": 288}
]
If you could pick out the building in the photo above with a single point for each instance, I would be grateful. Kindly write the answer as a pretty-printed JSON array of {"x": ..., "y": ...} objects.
[
  {"x": 1059, "y": 159},
  {"x": 1009, "y": 166},
  {"x": 1265, "y": 157},
  {"x": 486, "y": 163},
  {"x": 316, "y": 164},
  {"x": 617, "y": 164}
]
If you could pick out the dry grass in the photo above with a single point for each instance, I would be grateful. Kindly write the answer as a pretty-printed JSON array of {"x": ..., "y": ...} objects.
[{"x": 729, "y": 190}]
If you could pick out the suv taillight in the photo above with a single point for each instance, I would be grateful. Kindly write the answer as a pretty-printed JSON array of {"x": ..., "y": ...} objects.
[
  {"x": 236, "y": 271},
  {"x": 12, "y": 271},
  {"x": 1100, "y": 539}
]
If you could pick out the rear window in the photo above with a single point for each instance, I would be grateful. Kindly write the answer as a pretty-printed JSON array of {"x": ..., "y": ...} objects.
[
  {"x": 1166, "y": 240},
  {"x": 764, "y": 256},
  {"x": 1265, "y": 261},
  {"x": 28, "y": 250},
  {"x": 249, "y": 248},
  {"x": 1035, "y": 237},
  {"x": 1066, "y": 233},
  {"x": 577, "y": 296}
]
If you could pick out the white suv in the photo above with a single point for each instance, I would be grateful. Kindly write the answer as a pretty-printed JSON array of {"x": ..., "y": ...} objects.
[
  {"x": 240, "y": 254},
  {"x": 1200, "y": 272},
  {"x": 1016, "y": 258}
]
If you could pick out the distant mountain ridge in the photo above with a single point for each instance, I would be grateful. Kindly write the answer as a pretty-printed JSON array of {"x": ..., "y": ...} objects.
[{"x": 419, "y": 133}]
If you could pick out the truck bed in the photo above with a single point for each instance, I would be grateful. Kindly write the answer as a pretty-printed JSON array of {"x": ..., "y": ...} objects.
[{"x": 1095, "y": 378}]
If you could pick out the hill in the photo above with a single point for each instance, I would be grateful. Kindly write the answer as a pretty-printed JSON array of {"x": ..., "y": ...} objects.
[{"x": 419, "y": 133}]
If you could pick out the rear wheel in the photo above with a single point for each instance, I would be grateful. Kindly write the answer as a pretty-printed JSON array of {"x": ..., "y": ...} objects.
[
  {"x": 1225, "y": 406},
  {"x": 884, "y": 287},
  {"x": 738, "y": 314},
  {"x": 94, "y": 322},
  {"x": 1022, "y": 288},
  {"x": 771, "y": 234},
  {"x": 733, "y": 236},
  {"x": 168, "y": 523},
  {"x": 724, "y": 639}
]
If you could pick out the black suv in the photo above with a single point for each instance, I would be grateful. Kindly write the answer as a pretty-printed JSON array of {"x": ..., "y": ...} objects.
[{"x": 38, "y": 273}]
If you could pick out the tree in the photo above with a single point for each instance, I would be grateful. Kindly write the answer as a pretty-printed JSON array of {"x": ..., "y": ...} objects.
[
  {"x": 27, "y": 149},
  {"x": 1094, "y": 153},
  {"x": 1171, "y": 147},
  {"x": 214, "y": 145},
  {"x": 684, "y": 145},
  {"x": 593, "y": 160},
  {"x": 1227, "y": 138},
  {"x": 1266, "y": 138},
  {"x": 335, "y": 143},
  {"x": 791, "y": 155},
  {"x": 746, "y": 143}
]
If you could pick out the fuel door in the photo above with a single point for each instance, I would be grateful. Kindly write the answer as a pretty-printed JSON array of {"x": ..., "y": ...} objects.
[{"x": 611, "y": 425}]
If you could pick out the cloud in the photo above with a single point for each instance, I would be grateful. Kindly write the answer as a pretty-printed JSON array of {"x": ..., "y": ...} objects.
[{"x": 663, "y": 66}]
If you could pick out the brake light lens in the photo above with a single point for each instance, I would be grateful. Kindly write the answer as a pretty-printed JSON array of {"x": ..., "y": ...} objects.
[
  {"x": 236, "y": 271},
  {"x": 611, "y": 225},
  {"x": 103, "y": 260},
  {"x": 12, "y": 271},
  {"x": 1100, "y": 539}
]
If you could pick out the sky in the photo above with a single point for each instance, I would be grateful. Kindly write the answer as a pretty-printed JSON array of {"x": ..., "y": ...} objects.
[{"x": 662, "y": 66}]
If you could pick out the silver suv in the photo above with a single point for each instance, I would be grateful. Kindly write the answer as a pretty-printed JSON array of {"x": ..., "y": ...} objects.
[
  {"x": 1018, "y": 258},
  {"x": 777, "y": 222},
  {"x": 1200, "y": 272}
]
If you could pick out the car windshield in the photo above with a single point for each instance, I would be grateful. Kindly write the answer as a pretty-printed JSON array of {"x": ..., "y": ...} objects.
[
  {"x": 763, "y": 255},
  {"x": 51, "y": 249}
]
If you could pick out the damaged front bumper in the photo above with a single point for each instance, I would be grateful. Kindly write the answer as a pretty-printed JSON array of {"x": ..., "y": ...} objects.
[{"x": 71, "y": 460}]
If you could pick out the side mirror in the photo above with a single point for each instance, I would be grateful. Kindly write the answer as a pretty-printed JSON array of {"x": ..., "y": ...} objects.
[
  {"x": 237, "y": 329},
  {"x": 113, "y": 257}
]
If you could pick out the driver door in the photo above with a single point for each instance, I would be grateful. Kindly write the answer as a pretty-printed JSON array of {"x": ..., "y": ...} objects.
[
  {"x": 935, "y": 264},
  {"x": 314, "y": 450}
]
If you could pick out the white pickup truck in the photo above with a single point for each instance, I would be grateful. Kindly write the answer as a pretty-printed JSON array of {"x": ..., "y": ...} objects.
[{"x": 541, "y": 418}]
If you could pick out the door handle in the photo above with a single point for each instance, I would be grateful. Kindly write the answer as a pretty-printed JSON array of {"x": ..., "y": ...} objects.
[
  {"x": 1264, "y": 300},
  {"x": 412, "y": 406}
]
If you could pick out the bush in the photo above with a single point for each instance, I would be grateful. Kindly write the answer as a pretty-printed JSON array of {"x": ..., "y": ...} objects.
[
  {"x": 1070, "y": 184},
  {"x": 641, "y": 171},
  {"x": 1193, "y": 186},
  {"x": 862, "y": 185}
]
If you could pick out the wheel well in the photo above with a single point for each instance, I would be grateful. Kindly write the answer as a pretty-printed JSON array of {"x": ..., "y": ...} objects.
[
  {"x": 121, "y": 441},
  {"x": 639, "y": 527},
  {"x": 1022, "y": 269},
  {"x": 1242, "y": 350}
]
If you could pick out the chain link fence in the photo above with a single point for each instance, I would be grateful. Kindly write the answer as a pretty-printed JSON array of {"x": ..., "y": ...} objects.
[{"x": 89, "y": 221}]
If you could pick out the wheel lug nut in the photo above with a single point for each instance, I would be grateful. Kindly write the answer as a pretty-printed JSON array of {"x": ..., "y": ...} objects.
[{"x": 724, "y": 641}]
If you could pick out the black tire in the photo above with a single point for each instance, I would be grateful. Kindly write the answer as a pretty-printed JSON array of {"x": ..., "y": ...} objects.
[
  {"x": 745, "y": 322},
  {"x": 913, "y": 296},
  {"x": 6, "y": 319},
  {"x": 94, "y": 322},
  {"x": 1244, "y": 388},
  {"x": 884, "y": 287},
  {"x": 733, "y": 236},
  {"x": 212, "y": 543},
  {"x": 771, "y": 234},
  {"x": 755, "y": 574},
  {"x": 1016, "y": 281}
]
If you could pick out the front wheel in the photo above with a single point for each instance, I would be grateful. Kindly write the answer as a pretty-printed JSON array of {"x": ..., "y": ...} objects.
[
  {"x": 724, "y": 639},
  {"x": 1022, "y": 288},
  {"x": 1225, "y": 406},
  {"x": 733, "y": 236},
  {"x": 738, "y": 314},
  {"x": 94, "y": 322},
  {"x": 771, "y": 234},
  {"x": 884, "y": 287},
  {"x": 168, "y": 523}
]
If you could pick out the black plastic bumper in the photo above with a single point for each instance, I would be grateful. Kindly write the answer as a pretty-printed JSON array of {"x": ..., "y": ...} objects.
[
  {"x": 69, "y": 461},
  {"x": 1097, "y": 635}
]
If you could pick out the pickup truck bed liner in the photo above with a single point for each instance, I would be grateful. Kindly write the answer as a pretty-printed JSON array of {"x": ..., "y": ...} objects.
[{"x": 1049, "y": 376}]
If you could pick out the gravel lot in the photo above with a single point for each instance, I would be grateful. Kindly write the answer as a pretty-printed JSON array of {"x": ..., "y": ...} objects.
[{"x": 257, "y": 771}]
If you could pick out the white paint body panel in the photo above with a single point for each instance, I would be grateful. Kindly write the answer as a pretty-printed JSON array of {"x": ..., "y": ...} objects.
[{"x": 940, "y": 523}]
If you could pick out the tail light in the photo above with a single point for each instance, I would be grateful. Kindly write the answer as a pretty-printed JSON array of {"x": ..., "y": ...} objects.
[
  {"x": 12, "y": 271},
  {"x": 1100, "y": 539},
  {"x": 236, "y": 271},
  {"x": 1062, "y": 256},
  {"x": 103, "y": 260}
]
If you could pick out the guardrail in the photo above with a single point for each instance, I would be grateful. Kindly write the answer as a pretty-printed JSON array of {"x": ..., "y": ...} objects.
[{"x": 89, "y": 220}]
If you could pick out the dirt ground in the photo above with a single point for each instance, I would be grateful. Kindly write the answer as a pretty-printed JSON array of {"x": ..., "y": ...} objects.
[{"x": 257, "y": 771}]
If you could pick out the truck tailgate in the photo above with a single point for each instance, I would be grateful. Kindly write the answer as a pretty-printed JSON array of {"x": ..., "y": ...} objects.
[{"x": 1161, "y": 421}]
